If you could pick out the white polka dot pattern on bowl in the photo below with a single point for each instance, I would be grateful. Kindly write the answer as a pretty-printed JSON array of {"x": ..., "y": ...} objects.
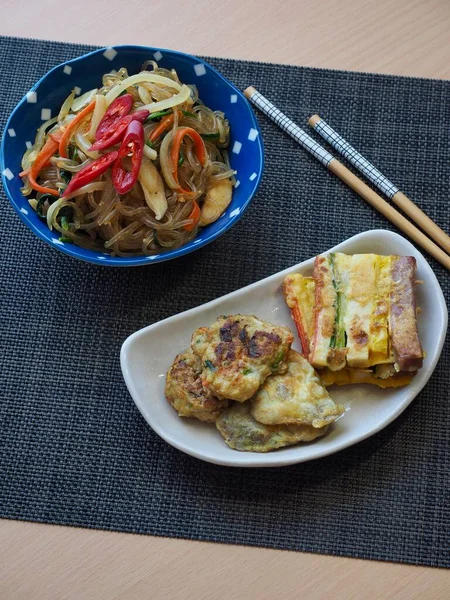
[
  {"x": 236, "y": 147},
  {"x": 110, "y": 53},
  {"x": 200, "y": 69},
  {"x": 68, "y": 76}
]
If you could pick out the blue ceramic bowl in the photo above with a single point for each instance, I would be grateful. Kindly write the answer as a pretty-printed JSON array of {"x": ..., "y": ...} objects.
[{"x": 46, "y": 97}]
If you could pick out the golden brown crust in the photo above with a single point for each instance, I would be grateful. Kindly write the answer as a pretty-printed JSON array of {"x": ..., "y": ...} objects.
[
  {"x": 239, "y": 352},
  {"x": 351, "y": 376},
  {"x": 296, "y": 398},
  {"x": 324, "y": 312},
  {"x": 242, "y": 432},
  {"x": 185, "y": 392},
  {"x": 299, "y": 293},
  {"x": 403, "y": 331}
]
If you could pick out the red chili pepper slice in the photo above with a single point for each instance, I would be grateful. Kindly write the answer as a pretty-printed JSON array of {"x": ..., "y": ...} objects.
[
  {"x": 91, "y": 172},
  {"x": 140, "y": 115},
  {"x": 120, "y": 107},
  {"x": 133, "y": 147},
  {"x": 113, "y": 136}
]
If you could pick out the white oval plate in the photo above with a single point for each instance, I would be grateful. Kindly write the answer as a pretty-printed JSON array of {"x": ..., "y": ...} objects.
[{"x": 147, "y": 354}]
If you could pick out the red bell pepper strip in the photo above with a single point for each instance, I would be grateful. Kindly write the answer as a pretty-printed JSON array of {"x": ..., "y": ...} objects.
[
  {"x": 199, "y": 148},
  {"x": 42, "y": 159},
  {"x": 91, "y": 172},
  {"x": 112, "y": 136},
  {"x": 194, "y": 216},
  {"x": 120, "y": 107},
  {"x": 132, "y": 146}
]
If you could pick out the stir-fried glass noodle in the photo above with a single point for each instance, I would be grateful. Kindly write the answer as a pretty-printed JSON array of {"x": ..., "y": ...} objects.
[{"x": 135, "y": 167}]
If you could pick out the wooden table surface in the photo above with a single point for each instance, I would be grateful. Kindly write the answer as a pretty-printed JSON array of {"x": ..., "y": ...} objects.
[{"x": 406, "y": 37}]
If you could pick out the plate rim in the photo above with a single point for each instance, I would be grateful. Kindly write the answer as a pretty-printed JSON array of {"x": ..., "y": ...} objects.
[{"x": 267, "y": 460}]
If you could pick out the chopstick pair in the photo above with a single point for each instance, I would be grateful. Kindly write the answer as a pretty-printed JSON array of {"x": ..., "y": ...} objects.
[{"x": 377, "y": 178}]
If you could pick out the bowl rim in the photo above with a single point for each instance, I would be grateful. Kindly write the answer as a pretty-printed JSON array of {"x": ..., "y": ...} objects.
[{"x": 106, "y": 260}]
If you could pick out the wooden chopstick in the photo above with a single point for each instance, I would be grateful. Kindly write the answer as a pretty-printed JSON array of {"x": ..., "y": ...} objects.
[
  {"x": 380, "y": 181},
  {"x": 336, "y": 167}
]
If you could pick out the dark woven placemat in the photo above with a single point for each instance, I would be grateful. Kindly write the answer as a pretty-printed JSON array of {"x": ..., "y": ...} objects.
[{"x": 73, "y": 448}]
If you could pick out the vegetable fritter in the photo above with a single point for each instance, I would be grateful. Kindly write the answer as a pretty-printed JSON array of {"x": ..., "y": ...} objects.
[
  {"x": 242, "y": 432},
  {"x": 185, "y": 392},
  {"x": 297, "y": 397},
  {"x": 238, "y": 353}
]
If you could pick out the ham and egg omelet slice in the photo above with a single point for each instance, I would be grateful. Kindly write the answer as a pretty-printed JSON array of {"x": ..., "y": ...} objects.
[{"x": 357, "y": 321}]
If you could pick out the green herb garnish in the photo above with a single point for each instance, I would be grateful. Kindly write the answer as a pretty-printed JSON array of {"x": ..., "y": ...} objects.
[
  {"x": 186, "y": 113},
  {"x": 210, "y": 136},
  {"x": 278, "y": 360},
  {"x": 150, "y": 144},
  {"x": 181, "y": 159},
  {"x": 66, "y": 239},
  {"x": 339, "y": 337},
  {"x": 247, "y": 371},
  {"x": 41, "y": 202},
  {"x": 73, "y": 152},
  {"x": 66, "y": 176},
  {"x": 65, "y": 223},
  {"x": 66, "y": 211},
  {"x": 208, "y": 365},
  {"x": 158, "y": 115}
]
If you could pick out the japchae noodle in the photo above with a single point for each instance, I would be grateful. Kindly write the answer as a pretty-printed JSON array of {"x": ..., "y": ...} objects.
[{"x": 183, "y": 181}]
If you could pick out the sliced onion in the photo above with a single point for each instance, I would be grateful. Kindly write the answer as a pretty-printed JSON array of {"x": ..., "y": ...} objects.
[
  {"x": 144, "y": 95},
  {"x": 84, "y": 144},
  {"x": 99, "y": 111},
  {"x": 83, "y": 100},
  {"x": 95, "y": 186},
  {"x": 27, "y": 159},
  {"x": 30, "y": 155},
  {"x": 175, "y": 100},
  {"x": 69, "y": 165},
  {"x": 53, "y": 210},
  {"x": 166, "y": 163},
  {"x": 150, "y": 153},
  {"x": 139, "y": 78},
  {"x": 64, "y": 111}
]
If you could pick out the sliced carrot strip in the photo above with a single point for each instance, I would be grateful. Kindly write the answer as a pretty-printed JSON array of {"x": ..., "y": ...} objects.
[{"x": 66, "y": 136}]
